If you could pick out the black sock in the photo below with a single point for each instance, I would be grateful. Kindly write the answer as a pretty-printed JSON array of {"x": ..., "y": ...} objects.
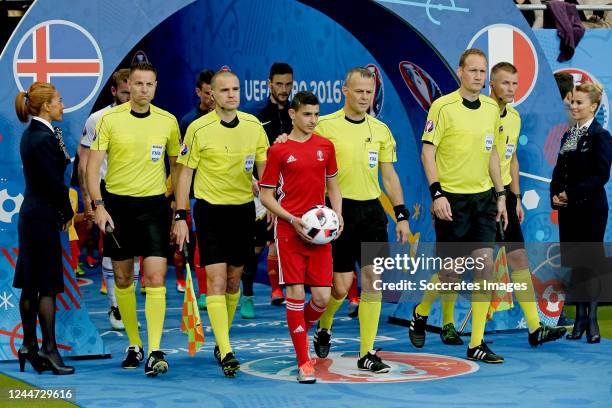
[{"x": 248, "y": 277}]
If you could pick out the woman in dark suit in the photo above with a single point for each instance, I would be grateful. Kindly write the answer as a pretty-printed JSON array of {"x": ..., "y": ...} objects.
[
  {"x": 45, "y": 211},
  {"x": 577, "y": 191}
]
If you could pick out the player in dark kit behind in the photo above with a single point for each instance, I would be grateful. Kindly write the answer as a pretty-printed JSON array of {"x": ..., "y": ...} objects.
[
  {"x": 275, "y": 119},
  {"x": 302, "y": 168}
]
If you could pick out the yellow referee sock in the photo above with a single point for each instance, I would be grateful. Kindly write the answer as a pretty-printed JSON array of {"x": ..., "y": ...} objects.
[
  {"x": 429, "y": 297},
  {"x": 327, "y": 318},
  {"x": 448, "y": 300},
  {"x": 369, "y": 314},
  {"x": 126, "y": 301},
  {"x": 217, "y": 313},
  {"x": 526, "y": 298},
  {"x": 480, "y": 306},
  {"x": 231, "y": 302},
  {"x": 155, "y": 312}
]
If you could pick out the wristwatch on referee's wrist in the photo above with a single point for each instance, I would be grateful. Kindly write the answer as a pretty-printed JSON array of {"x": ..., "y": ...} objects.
[
  {"x": 500, "y": 193},
  {"x": 96, "y": 203}
]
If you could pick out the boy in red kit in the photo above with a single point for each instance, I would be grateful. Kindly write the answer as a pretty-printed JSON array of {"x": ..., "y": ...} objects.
[{"x": 302, "y": 168}]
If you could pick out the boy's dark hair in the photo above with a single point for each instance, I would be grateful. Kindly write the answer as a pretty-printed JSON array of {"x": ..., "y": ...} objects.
[{"x": 303, "y": 98}]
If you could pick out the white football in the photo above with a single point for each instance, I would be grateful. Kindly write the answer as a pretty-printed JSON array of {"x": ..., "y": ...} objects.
[{"x": 321, "y": 224}]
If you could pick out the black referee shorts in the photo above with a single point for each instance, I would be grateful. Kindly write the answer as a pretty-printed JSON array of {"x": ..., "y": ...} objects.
[
  {"x": 225, "y": 232},
  {"x": 142, "y": 226},
  {"x": 513, "y": 235},
  {"x": 473, "y": 223},
  {"x": 364, "y": 221}
]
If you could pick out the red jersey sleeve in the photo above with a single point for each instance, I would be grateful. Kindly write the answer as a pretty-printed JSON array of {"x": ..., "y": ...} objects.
[
  {"x": 272, "y": 171},
  {"x": 331, "y": 167}
]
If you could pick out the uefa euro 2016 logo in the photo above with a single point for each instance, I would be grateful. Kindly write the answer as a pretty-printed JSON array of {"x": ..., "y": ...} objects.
[
  {"x": 379, "y": 91},
  {"x": 420, "y": 84}
]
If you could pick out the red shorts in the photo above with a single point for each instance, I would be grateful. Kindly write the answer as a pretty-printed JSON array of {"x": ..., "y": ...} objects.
[{"x": 303, "y": 264}]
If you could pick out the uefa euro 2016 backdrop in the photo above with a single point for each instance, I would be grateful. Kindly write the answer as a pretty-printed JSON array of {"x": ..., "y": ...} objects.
[{"x": 413, "y": 49}]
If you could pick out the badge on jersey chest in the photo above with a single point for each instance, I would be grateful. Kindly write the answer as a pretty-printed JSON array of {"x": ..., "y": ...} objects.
[
  {"x": 372, "y": 158},
  {"x": 156, "y": 152},
  {"x": 249, "y": 162},
  {"x": 509, "y": 151},
  {"x": 488, "y": 142},
  {"x": 320, "y": 155}
]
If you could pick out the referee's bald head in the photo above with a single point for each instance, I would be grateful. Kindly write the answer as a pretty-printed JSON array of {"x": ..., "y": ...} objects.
[
  {"x": 358, "y": 71},
  {"x": 221, "y": 74}
]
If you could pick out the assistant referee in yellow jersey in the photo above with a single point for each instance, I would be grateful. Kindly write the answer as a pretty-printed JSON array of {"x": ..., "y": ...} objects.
[
  {"x": 461, "y": 163},
  {"x": 504, "y": 82},
  {"x": 136, "y": 136},
  {"x": 364, "y": 146},
  {"x": 224, "y": 146}
]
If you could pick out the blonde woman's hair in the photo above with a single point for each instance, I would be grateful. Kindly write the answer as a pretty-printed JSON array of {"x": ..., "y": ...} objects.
[{"x": 595, "y": 91}]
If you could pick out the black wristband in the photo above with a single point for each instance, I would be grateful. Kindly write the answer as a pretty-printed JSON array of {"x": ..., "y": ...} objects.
[
  {"x": 435, "y": 189},
  {"x": 401, "y": 213},
  {"x": 180, "y": 215},
  {"x": 519, "y": 196}
]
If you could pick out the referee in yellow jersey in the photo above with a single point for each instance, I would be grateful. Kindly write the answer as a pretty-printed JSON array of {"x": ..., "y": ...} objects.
[
  {"x": 224, "y": 146},
  {"x": 460, "y": 159},
  {"x": 136, "y": 136},
  {"x": 504, "y": 82},
  {"x": 364, "y": 145}
]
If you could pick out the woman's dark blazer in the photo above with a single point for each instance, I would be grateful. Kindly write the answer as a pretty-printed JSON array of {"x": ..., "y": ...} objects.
[{"x": 45, "y": 208}]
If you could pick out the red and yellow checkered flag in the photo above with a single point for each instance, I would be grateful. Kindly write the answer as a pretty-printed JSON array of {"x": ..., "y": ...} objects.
[
  {"x": 500, "y": 300},
  {"x": 191, "y": 322}
]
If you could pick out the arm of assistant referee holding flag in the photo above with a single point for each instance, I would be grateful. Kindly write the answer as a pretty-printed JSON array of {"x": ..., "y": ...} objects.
[
  {"x": 102, "y": 217},
  {"x": 182, "y": 182},
  {"x": 500, "y": 191}
]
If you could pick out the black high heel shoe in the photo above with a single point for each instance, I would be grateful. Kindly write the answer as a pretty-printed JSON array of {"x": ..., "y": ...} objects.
[
  {"x": 55, "y": 363},
  {"x": 31, "y": 355},
  {"x": 592, "y": 334},
  {"x": 577, "y": 331},
  {"x": 595, "y": 338}
]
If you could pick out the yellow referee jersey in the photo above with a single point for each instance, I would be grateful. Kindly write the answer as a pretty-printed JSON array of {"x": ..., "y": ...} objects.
[
  {"x": 511, "y": 129},
  {"x": 136, "y": 145},
  {"x": 224, "y": 155},
  {"x": 464, "y": 139},
  {"x": 360, "y": 146}
]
